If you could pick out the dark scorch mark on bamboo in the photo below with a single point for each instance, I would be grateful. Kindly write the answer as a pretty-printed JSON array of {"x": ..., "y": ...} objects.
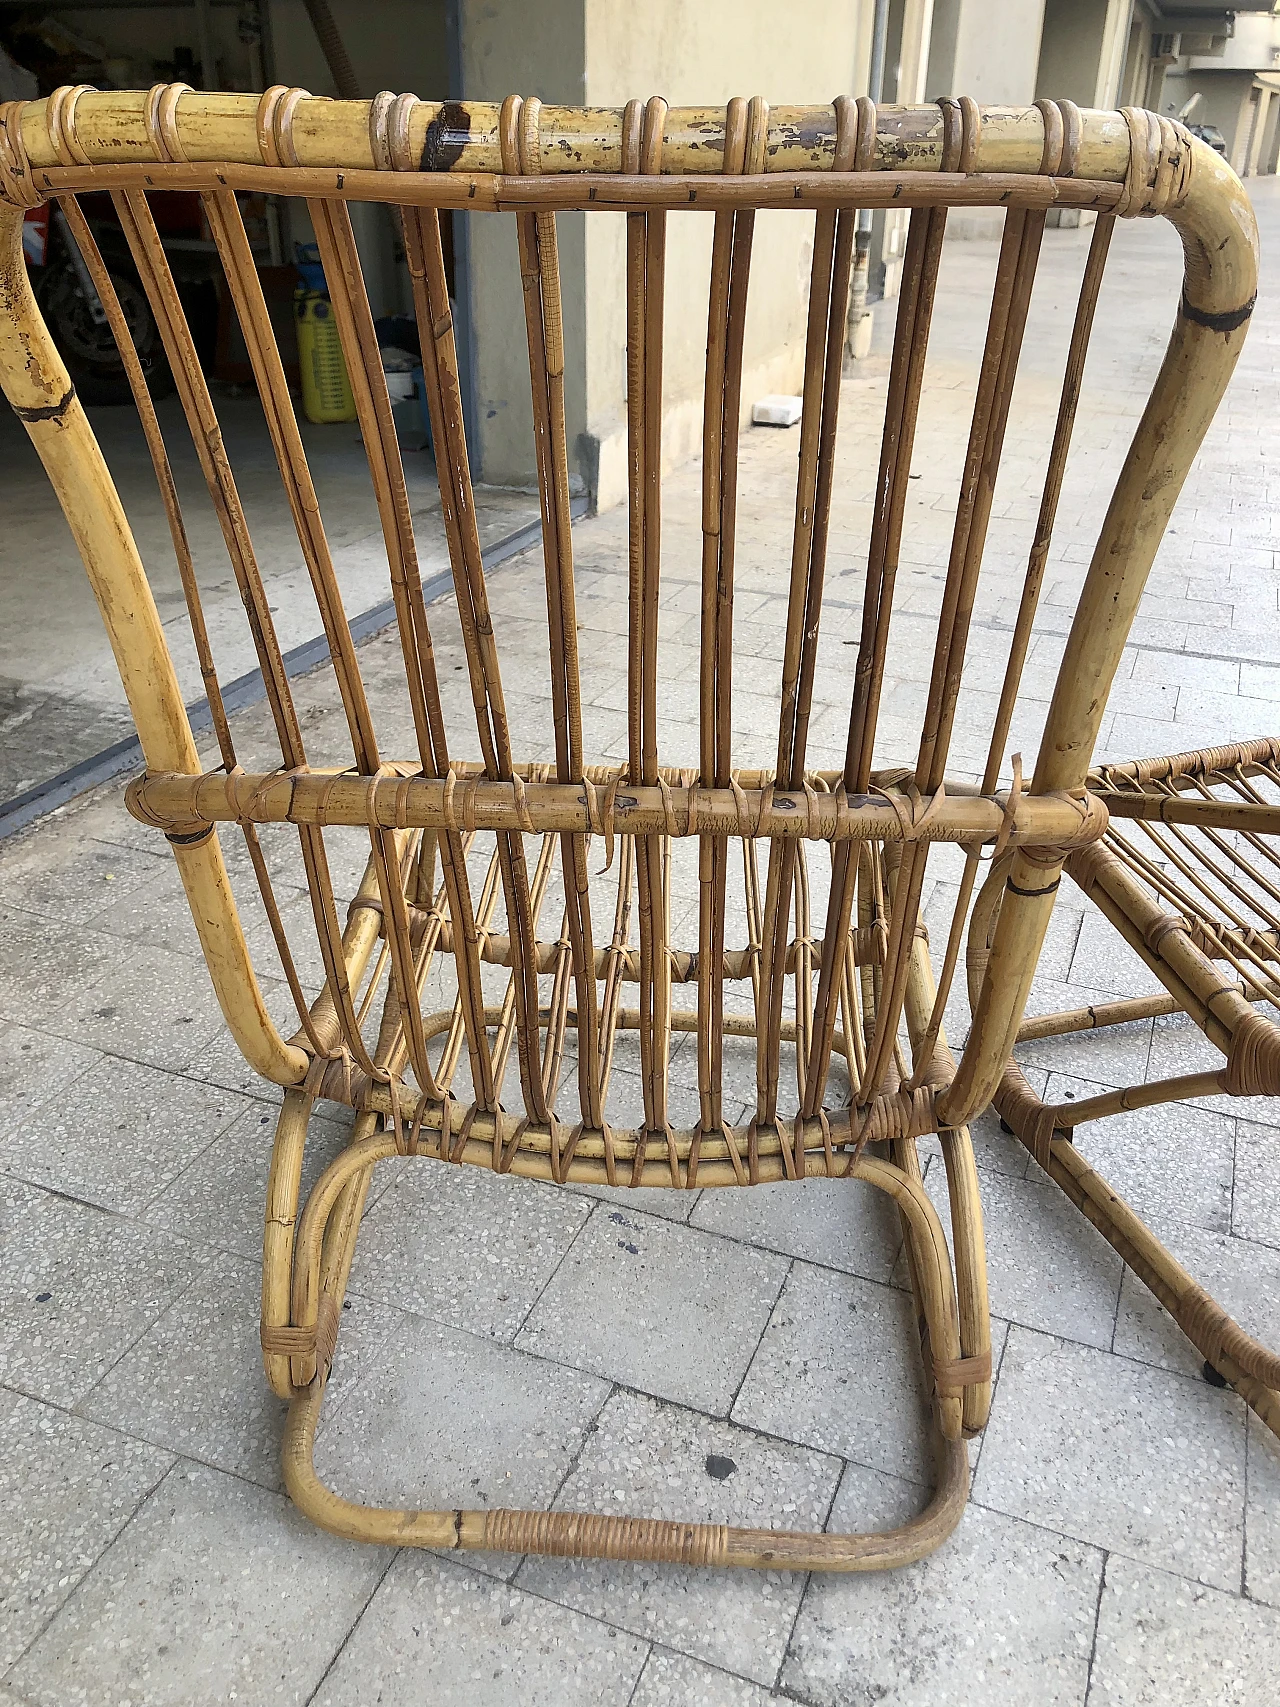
[{"x": 447, "y": 135}]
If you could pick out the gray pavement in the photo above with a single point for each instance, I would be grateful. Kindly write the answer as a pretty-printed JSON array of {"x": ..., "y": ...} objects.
[{"x": 509, "y": 1342}]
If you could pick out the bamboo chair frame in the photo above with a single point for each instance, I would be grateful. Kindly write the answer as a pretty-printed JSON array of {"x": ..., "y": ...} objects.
[
  {"x": 1187, "y": 873},
  {"x": 869, "y": 975}
]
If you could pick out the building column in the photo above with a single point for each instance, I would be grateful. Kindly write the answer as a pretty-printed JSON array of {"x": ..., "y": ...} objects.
[
  {"x": 507, "y": 48},
  {"x": 1082, "y": 56},
  {"x": 1260, "y": 124}
]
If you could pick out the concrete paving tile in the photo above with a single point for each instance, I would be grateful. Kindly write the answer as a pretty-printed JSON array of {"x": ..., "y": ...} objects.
[
  {"x": 438, "y": 1635},
  {"x": 73, "y": 876},
  {"x": 221, "y": 1197},
  {"x": 159, "y": 1008},
  {"x": 1255, "y": 1209},
  {"x": 1217, "y": 674},
  {"x": 1170, "y": 1163},
  {"x": 78, "y": 1285},
  {"x": 1262, "y": 1515},
  {"x": 1047, "y": 1267},
  {"x": 437, "y": 1419},
  {"x": 44, "y": 973},
  {"x": 194, "y": 1382},
  {"x": 154, "y": 911},
  {"x": 844, "y": 1224},
  {"x": 1104, "y": 961},
  {"x": 465, "y": 1246},
  {"x": 1001, "y": 1614},
  {"x": 1138, "y": 1460},
  {"x": 1165, "y": 1642},
  {"x": 1198, "y": 613},
  {"x": 216, "y": 1590},
  {"x": 1200, "y": 720},
  {"x": 666, "y": 1202},
  {"x": 67, "y": 1487},
  {"x": 1243, "y": 1277},
  {"x": 672, "y": 1680},
  {"x": 1153, "y": 697},
  {"x": 671, "y": 1310},
  {"x": 1248, "y": 637},
  {"x": 1113, "y": 1055},
  {"x": 839, "y": 1368},
  {"x": 1260, "y": 681},
  {"x": 119, "y": 1133},
  {"x": 1207, "y": 704},
  {"x": 650, "y": 1459},
  {"x": 35, "y": 1066}
]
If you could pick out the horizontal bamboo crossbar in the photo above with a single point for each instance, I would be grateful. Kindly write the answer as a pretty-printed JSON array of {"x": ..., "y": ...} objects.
[
  {"x": 1262, "y": 817},
  {"x": 866, "y": 944},
  {"x": 603, "y": 192},
  {"x": 1095, "y": 1017},
  {"x": 1128, "y": 1098},
  {"x": 1182, "y": 770},
  {"x": 450, "y": 137},
  {"x": 181, "y": 804}
]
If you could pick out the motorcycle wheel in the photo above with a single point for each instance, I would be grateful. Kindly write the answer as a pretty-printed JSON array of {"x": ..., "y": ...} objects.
[{"x": 87, "y": 346}]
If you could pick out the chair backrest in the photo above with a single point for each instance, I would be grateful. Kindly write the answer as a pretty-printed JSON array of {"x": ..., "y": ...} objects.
[{"x": 428, "y": 811}]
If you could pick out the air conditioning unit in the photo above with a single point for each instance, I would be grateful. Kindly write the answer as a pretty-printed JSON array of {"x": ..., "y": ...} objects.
[{"x": 1206, "y": 46}]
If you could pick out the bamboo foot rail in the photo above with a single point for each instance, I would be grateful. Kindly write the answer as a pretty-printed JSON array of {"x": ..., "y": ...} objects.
[
  {"x": 452, "y": 1016},
  {"x": 1189, "y": 875}
]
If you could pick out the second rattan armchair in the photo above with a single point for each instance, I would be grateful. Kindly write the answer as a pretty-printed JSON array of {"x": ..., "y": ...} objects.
[{"x": 1188, "y": 874}]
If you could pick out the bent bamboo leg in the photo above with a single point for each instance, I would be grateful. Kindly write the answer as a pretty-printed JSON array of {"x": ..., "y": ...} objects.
[
  {"x": 281, "y": 1224},
  {"x": 1242, "y": 1361},
  {"x": 967, "y": 1237},
  {"x": 325, "y": 1246}
]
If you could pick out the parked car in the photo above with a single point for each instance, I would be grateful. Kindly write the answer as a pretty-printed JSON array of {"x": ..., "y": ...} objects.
[{"x": 1212, "y": 135}]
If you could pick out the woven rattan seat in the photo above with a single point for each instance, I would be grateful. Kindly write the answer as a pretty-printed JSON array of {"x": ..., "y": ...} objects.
[
  {"x": 1188, "y": 873},
  {"x": 514, "y": 920}
]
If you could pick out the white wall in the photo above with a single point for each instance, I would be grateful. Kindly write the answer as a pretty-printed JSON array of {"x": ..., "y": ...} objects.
[
  {"x": 1082, "y": 50},
  {"x": 527, "y": 47},
  {"x": 989, "y": 49},
  {"x": 691, "y": 55}
]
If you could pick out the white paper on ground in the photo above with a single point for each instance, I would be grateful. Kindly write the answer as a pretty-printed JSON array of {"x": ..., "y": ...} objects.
[{"x": 776, "y": 411}]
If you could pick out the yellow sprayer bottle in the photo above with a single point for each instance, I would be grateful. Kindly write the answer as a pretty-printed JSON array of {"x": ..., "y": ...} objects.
[{"x": 326, "y": 389}]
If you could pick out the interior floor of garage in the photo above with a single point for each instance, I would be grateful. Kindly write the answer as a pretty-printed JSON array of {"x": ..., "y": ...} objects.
[{"x": 60, "y": 698}]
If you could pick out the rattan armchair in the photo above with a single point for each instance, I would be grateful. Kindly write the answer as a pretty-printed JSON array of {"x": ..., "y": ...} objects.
[
  {"x": 1189, "y": 876},
  {"x": 851, "y": 1065}
]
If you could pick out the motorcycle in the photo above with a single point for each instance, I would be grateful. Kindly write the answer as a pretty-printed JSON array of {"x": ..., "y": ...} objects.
[{"x": 69, "y": 302}]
